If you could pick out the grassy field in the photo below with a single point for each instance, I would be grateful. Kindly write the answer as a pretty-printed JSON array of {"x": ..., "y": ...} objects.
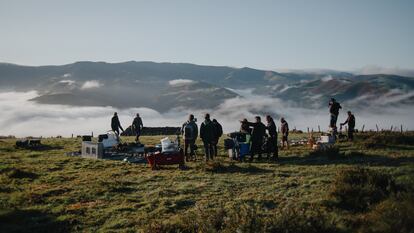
[{"x": 365, "y": 186}]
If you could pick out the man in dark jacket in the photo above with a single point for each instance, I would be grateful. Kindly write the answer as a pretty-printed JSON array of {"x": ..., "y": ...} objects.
[
  {"x": 272, "y": 140},
  {"x": 207, "y": 134},
  {"x": 115, "y": 124},
  {"x": 257, "y": 138},
  {"x": 218, "y": 132},
  {"x": 351, "y": 125},
  {"x": 137, "y": 127},
  {"x": 189, "y": 130},
  {"x": 334, "y": 111},
  {"x": 284, "y": 128}
]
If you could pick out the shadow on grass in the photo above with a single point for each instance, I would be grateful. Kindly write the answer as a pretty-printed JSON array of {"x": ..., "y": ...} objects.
[
  {"x": 31, "y": 221},
  {"x": 218, "y": 167},
  {"x": 41, "y": 147},
  {"x": 15, "y": 173}
]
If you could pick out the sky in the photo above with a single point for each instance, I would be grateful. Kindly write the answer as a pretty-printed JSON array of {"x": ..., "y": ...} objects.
[{"x": 266, "y": 34}]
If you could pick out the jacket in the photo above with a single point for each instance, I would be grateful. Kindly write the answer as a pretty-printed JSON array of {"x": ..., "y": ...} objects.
[
  {"x": 137, "y": 123},
  {"x": 271, "y": 128},
  {"x": 207, "y": 131},
  {"x": 189, "y": 130},
  {"x": 258, "y": 131},
  {"x": 115, "y": 124}
]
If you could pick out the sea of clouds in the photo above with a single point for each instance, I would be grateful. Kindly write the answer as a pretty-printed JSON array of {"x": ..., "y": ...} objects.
[{"x": 22, "y": 117}]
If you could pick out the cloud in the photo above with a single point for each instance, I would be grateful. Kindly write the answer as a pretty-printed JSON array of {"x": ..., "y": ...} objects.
[
  {"x": 327, "y": 78},
  {"x": 385, "y": 70},
  {"x": 91, "y": 84},
  {"x": 22, "y": 117},
  {"x": 176, "y": 82},
  {"x": 67, "y": 81}
]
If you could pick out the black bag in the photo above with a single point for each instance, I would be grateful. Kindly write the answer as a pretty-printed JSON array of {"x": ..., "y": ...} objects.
[{"x": 228, "y": 143}]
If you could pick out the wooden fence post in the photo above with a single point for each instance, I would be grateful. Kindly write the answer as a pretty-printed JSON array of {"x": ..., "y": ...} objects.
[
  {"x": 377, "y": 127},
  {"x": 362, "y": 130}
]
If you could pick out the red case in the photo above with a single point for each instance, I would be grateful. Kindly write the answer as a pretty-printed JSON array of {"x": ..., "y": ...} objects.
[{"x": 167, "y": 158}]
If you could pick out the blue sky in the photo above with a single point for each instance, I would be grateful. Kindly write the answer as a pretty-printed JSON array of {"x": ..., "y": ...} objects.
[{"x": 294, "y": 34}]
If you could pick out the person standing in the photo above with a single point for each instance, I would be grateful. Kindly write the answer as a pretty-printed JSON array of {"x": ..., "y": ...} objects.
[
  {"x": 218, "y": 132},
  {"x": 257, "y": 137},
  {"x": 351, "y": 125},
  {"x": 334, "y": 107},
  {"x": 207, "y": 134},
  {"x": 284, "y": 128},
  {"x": 189, "y": 131},
  {"x": 137, "y": 127},
  {"x": 115, "y": 124},
  {"x": 272, "y": 140}
]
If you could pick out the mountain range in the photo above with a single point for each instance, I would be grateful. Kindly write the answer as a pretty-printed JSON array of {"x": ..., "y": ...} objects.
[{"x": 163, "y": 86}]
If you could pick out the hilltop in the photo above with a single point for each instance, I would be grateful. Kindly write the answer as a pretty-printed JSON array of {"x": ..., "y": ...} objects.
[{"x": 148, "y": 84}]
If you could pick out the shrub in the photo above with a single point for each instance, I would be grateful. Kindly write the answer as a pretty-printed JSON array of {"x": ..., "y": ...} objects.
[
  {"x": 357, "y": 189},
  {"x": 309, "y": 220},
  {"x": 382, "y": 140},
  {"x": 396, "y": 214},
  {"x": 247, "y": 218},
  {"x": 330, "y": 152}
]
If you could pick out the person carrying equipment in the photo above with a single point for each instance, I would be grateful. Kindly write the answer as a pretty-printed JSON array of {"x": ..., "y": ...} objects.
[
  {"x": 272, "y": 140},
  {"x": 257, "y": 138},
  {"x": 189, "y": 131},
  {"x": 218, "y": 132},
  {"x": 334, "y": 111},
  {"x": 115, "y": 124},
  {"x": 351, "y": 125},
  {"x": 137, "y": 127},
  {"x": 207, "y": 134},
  {"x": 284, "y": 128}
]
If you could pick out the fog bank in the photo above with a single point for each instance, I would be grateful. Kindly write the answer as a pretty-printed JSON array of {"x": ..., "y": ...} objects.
[{"x": 21, "y": 117}]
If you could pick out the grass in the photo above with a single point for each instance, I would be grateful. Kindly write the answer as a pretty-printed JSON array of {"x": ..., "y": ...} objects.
[{"x": 46, "y": 190}]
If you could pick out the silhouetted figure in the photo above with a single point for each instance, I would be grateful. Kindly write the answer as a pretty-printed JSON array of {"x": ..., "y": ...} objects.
[
  {"x": 334, "y": 111},
  {"x": 257, "y": 138},
  {"x": 244, "y": 127},
  {"x": 137, "y": 127},
  {"x": 218, "y": 132},
  {"x": 351, "y": 125},
  {"x": 189, "y": 130},
  {"x": 284, "y": 129},
  {"x": 207, "y": 134},
  {"x": 272, "y": 140},
  {"x": 115, "y": 124}
]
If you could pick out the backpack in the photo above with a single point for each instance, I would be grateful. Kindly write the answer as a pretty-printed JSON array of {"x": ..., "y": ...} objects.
[
  {"x": 218, "y": 130},
  {"x": 189, "y": 131}
]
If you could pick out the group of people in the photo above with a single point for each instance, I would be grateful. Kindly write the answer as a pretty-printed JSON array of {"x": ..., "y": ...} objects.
[
  {"x": 259, "y": 133},
  {"x": 334, "y": 108},
  {"x": 262, "y": 141},
  {"x": 210, "y": 133},
  {"x": 136, "y": 125}
]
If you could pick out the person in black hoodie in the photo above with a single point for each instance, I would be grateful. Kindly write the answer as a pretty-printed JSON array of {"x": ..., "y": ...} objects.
[
  {"x": 257, "y": 137},
  {"x": 334, "y": 111},
  {"x": 272, "y": 140},
  {"x": 207, "y": 135},
  {"x": 115, "y": 124},
  {"x": 218, "y": 132}
]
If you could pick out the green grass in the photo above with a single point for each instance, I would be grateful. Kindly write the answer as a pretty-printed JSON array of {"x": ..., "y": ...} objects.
[{"x": 47, "y": 190}]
